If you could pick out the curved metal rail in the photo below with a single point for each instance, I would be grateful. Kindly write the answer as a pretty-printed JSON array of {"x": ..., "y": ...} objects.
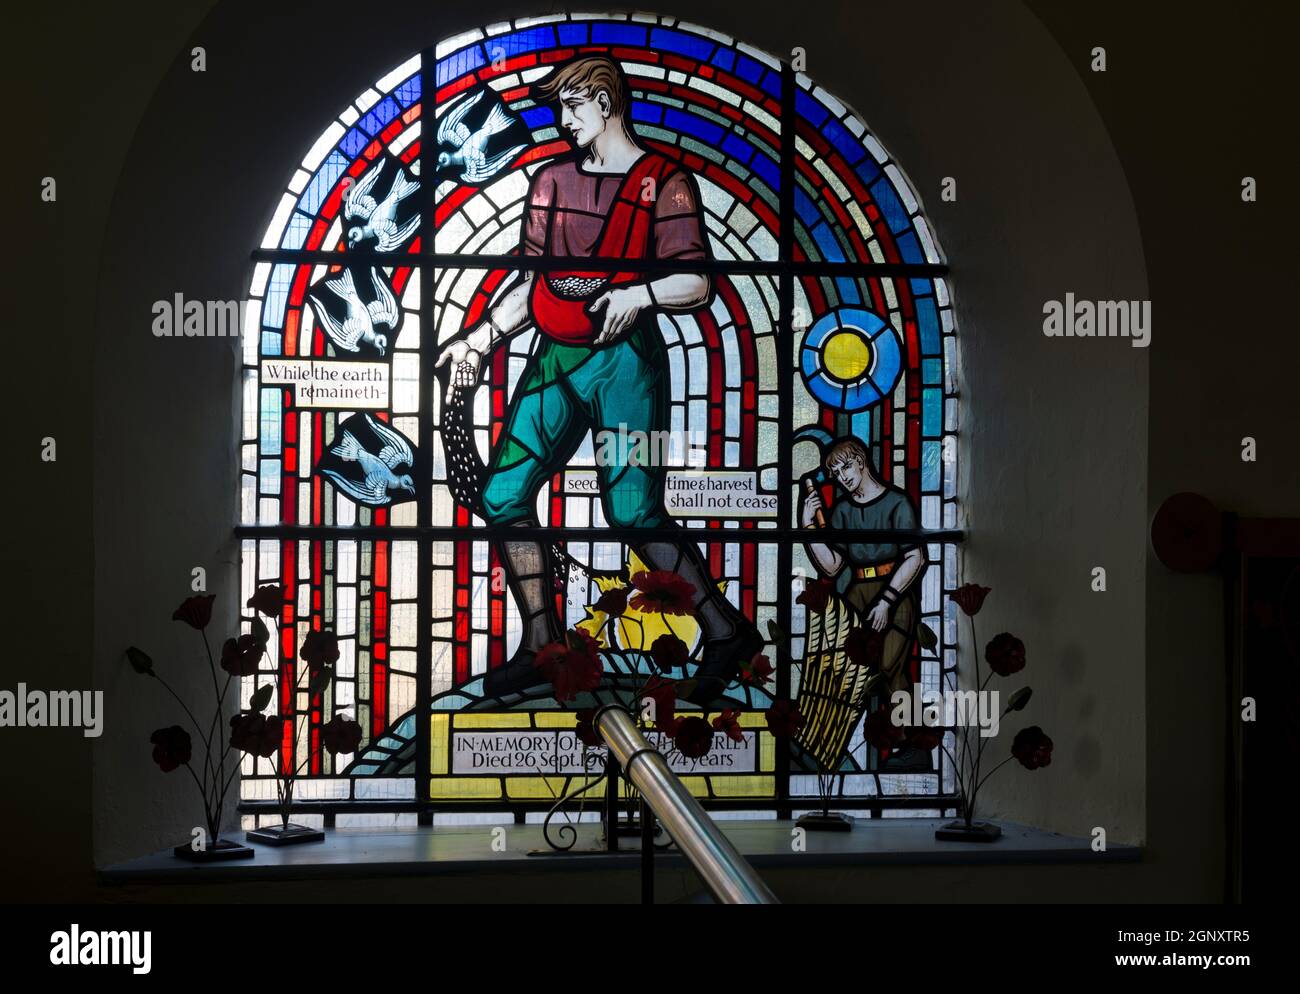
[{"x": 725, "y": 872}]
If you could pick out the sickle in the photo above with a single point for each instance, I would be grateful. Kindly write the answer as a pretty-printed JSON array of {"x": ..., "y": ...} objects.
[{"x": 822, "y": 438}]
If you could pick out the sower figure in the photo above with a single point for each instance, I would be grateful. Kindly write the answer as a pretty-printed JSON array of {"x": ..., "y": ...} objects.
[
  {"x": 884, "y": 573},
  {"x": 601, "y": 364}
]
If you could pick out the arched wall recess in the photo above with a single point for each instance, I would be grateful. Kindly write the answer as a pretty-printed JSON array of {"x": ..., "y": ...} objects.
[{"x": 1032, "y": 176}]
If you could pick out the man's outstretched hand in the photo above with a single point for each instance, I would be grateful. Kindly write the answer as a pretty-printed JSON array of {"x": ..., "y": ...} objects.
[{"x": 465, "y": 362}]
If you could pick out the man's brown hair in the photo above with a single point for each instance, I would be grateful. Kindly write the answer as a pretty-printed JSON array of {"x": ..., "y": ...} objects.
[
  {"x": 850, "y": 448},
  {"x": 588, "y": 75}
]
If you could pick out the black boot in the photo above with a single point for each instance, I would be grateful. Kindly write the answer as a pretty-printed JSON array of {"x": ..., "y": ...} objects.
[
  {"x": 729, "y": 638},
  {"x": 529, "y": 579}
]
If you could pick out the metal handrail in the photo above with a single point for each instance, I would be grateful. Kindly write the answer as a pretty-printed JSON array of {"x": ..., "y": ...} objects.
[{"x": 725, "y": 872}]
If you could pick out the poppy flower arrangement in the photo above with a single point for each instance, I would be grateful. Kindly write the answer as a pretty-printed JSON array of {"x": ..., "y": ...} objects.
[
  {"x": 1031, "y": 747},
  {"x": 174, "y": 745},
  {"x": 658, "y": 606},
  {"x": 250, "y": 731}
]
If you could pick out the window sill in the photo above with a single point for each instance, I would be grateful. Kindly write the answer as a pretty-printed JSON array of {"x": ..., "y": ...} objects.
[{"x": 352, "y": 853}]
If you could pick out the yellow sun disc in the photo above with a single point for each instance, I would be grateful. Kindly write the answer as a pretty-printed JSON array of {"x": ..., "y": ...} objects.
[{"x": 847, "y": 355}]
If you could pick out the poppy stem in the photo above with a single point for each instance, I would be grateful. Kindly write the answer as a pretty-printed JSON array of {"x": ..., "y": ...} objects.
[
  {"x": 219, "y": 770},
  {"x": 212, "y": 665},
  {"x": 979, "y": 683},
  {"x": 966, "y": 764},
  {"x": 184, "y": 706},
  {"x": 198, "y": 729},
  {"x": 207, "y": 806},
  {"x": 961, "y": 784},
  {"x": 286, "y": 801},
  {"x": 216, "y": 716},
  {"x": 994, "y": 770}
]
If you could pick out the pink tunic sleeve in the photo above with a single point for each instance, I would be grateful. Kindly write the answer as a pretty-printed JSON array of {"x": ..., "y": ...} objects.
[
  {"x": 679, "y": 227},
  {"x": 537, "y": 218}
]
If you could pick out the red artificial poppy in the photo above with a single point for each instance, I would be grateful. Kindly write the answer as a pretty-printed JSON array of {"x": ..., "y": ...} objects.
[
  {"x": 244, "y": 730},
  {"x": 1032, "y": 748},
  {"x": 613, "y": 602},
  {"x": 195, "y": 611},
  {"x": 923, "y": 737},
  {"x": 571, "y": 665},
  {"x": 661, "y": 696},
  {"x": 784, "y": 719},
  {"x": 727, "y": 722},
  {"x": 319, "y": 649},
  {"x": 341, "y": 734},
  {"x": 880, "y": 731},
  {"x": 693, "y": 738},
  {"x": 669, "y": 652},
  {"x": 970, "y": 598},
  {"x": 865, "y": 647},
  {"x": 171, "y": 747},
  {"x": 585, "y": 729},
  {"x": 663, "y": 592},
  {"x": 239, "y": 657},
  {"x": 757, "y": 671},
  {"x": 816, "y": 594},
  {"x": 256, "y": 734},
  {"x": 269, "y": 600},
  {"x": 1005, "y": 654},
  {"x": 272, "y": 737}
]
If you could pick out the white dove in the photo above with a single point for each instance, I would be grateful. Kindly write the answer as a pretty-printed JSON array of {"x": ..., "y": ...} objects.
[
  {"x": 380, "y": 217},
  {"x": 380, "y": 479},
  {"x": 359, "y": 325},
  {"x": 470, "y": 147}
]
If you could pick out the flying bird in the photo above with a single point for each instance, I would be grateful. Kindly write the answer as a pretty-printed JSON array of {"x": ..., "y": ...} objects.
[
  {"x": 359, "y": 325},
  {"x": 375, "y": 490},
  {"x": 380, "y": 216},
  {"x": 469, "y": 148}
]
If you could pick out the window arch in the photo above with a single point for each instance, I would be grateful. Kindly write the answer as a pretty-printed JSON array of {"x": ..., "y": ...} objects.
[{"x": 827, "y": 317}]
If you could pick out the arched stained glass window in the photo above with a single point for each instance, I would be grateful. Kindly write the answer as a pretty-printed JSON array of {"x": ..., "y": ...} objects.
[{"x": 573, "y": 300}]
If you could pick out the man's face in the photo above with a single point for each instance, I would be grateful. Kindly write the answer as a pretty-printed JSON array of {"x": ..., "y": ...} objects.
[
  {"x": 847, "y": 473},
  {"x": 583, "y": 115}
]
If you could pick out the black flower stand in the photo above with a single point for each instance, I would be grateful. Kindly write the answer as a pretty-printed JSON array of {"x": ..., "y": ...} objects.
[
  {"x": 284, "y": 835},
  {"x": 217, "y": 852},
  {"x": 825, "y": 821},
  {"x": 960, "y": 831}
]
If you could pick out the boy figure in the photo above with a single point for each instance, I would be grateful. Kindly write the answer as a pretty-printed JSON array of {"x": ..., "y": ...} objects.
[
  {"x": 601, "y": 364},
  {"x": 884, "y": 573}
]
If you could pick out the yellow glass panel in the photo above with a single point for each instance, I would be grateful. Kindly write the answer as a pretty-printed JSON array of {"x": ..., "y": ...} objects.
[
  {"x": 438, "y": 742},
  {"x": 463, "y": 788},
  {"x": 555, "y": 719},
  {"x": 698, "y": 786},
  {"x": 534, "y": 787},
  {"x": 514, "y": 719},
  {"x": 749, "y": 786}
]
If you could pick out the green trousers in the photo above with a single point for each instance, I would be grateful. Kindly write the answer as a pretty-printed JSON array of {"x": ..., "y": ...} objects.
[
  {"x": 566, "y": 391},
  {"x": 900, "y": 632}
]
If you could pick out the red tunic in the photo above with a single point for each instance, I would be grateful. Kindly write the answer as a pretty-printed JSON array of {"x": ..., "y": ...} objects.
[{"x": 576, "y": 213}]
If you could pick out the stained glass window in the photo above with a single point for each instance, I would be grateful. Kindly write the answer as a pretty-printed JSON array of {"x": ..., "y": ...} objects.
[{"x": 503, "y": 371}]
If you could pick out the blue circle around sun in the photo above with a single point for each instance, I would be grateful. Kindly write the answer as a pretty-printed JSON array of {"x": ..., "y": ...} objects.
[{"x": 850, "y": 359}]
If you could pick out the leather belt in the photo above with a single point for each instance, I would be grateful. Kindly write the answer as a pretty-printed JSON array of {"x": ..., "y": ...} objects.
[{"x": 871, "y": 572}]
